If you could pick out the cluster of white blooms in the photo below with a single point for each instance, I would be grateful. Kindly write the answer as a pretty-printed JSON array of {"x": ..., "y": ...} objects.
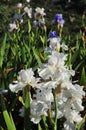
[
  {"x": 26, "y": 9},
  {"x": 19, "y": 16},
  {"x": 53, "y": 75}
]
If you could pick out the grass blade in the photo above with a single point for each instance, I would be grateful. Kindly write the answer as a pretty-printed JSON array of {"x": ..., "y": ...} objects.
[
  {"x": 8, "y": 118},
  {"x": 83, "y": 78},
  {"x": 35, "y": 51},
  {"x": 81, "y": 124},
  {"x": 2, "y": 51}
]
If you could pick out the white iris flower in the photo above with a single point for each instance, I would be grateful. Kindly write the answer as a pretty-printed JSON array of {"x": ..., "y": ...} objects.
[{"x": 26, "y": 77}]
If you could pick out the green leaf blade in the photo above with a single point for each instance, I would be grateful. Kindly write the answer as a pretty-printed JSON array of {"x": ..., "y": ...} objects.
[{"x": 8, "y": 118}]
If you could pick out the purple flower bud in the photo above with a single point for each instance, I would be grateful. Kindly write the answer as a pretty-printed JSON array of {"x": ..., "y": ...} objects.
[
  {"x": 53, "y": 34},
  {"x": 59, "y": 18}
]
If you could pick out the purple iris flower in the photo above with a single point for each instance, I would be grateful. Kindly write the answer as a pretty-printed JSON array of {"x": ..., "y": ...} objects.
[
  {"x": 53, "y": 34},
  {"x": 59, "y": 18}
]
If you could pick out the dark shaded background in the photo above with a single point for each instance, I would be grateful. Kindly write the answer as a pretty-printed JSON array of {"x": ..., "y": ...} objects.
[{"x": 72, "y": 12}]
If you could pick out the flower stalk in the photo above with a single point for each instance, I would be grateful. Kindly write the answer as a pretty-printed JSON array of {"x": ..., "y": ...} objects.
[{"x": 56, "y": 111}]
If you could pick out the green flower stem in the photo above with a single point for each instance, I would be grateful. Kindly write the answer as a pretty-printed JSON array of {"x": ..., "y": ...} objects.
[
  {"x": 60, "y": 31},
  {"x": 39, "y": 127},
  {"x": 56, "y": 111},
  {"x": 51, "y": 121},
  {"x": 27, "y": 123},
  {"x": 44, "y": 123}
]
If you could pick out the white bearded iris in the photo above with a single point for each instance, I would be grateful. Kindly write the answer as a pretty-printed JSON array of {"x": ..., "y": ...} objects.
[
  {"x": 54, "y": 43},
  {"x": 54, "y": 67},
  {"x": 69, "y": 126},
  {"x": 37, "y": 109},
  {"x": 13, "y": 27},
  {"x": 26, "y": 77},
  {"x": 19, "y": 5},
  {"x": 28, "y": 11},
  {"x": 40, "y": 11},
  {"x": 45, "y": 95},
  {"x": 73, "y": 116},
  {"x": 28, "y": 1}
]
